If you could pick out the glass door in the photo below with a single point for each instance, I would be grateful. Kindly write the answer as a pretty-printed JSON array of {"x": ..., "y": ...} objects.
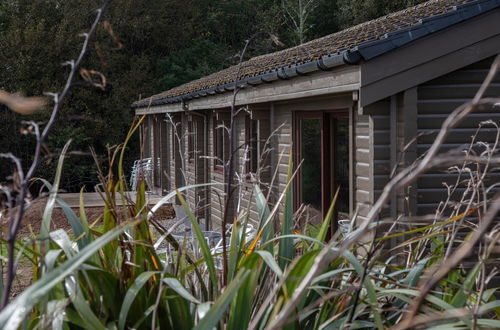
[
  {"x": 322, "y": 150},
  {"x": 310, "y": 192},
  {"x": 339, "y": 163}
]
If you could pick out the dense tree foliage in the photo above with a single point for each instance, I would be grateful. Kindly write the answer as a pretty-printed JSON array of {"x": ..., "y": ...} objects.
[
  {"x": 163, "y": 43},
  {"x": 40, "y": 35},
  {"x": 355, "y": 12},
  {"x": 200, "y": 58}
]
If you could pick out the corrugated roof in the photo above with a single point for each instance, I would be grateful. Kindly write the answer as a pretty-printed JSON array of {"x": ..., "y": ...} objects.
[{"x": 363, "y": 41}]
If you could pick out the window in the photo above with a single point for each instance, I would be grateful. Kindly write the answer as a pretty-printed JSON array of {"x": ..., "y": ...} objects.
[
  {"x": 253, "y": 144},
  {"x": 221, "y": 144}
]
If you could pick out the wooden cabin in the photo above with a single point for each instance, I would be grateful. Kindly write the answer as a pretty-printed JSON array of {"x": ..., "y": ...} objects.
[{"x": 348, "y": 105}]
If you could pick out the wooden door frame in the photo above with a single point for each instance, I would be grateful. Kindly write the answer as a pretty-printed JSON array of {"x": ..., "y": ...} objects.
[{"x": 325, "y": 117}]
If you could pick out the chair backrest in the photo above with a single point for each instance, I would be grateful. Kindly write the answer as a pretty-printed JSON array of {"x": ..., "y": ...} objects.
[{"x": 144, "y": 168}]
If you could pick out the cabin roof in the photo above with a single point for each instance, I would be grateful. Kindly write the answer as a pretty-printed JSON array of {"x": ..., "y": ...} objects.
[{"x": 350, "y": 46}]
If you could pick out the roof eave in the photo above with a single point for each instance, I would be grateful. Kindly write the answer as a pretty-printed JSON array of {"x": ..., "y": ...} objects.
[{"x": 325, "y": 63}]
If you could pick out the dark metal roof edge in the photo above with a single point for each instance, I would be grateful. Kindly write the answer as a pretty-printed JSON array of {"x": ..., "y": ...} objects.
[
  {"x": 427, "y": 26},
  {"x": 364, "y": 51}
]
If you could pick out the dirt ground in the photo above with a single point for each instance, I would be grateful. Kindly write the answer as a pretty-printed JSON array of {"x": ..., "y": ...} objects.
[
  {"x": 33, "y": 217},
  {"x": 31, "y": 225}
]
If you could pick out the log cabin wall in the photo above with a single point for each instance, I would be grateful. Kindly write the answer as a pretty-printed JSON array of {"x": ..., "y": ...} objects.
[
  {"x": 436, "y": 100},
  {"x": 363, "y": 163},
  {"x": 418, "y": 113}
]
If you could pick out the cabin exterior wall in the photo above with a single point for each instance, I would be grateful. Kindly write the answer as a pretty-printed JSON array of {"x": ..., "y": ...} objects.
[
  {"x": 436, "y": 100},
  {"x": 382, "y": 142},
  {"x": 406, "y": 124}
]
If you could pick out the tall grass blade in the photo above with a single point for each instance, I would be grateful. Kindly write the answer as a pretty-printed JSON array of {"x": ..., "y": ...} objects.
[
  {"x": 286, "y": 250},
  {"x": 415, "y": 273},
  {"x": 236, "y": 241},
  {"x": 424, "y": 228},
  {"x": 213, "y": 316},
  {"x": 177, "y": 286},
  {"x": 266, "y": 229},
  {"x": 488, "y": 324},
  {"x": 83, "y": 215},
  {"x": 1, "y": 274},
  {"x": 51, "y": 202},
  {"x": 82, "y": 307},
  {"x": 78, "y": 226},
  {"x": 369, "y": 286},
  {"x": 145, "y": 255},
  {"x": 294, "y": 236},
  {"x": 121, "y": 176},
  {"x": 241, "y": 306},
  {"x": 325, "y": 226},
  {"x": 205, "y": 250},
  {"x": 297, "y": 274},
  {"x": 271, "y": 263},
  {"x": 489, "y": 306},
  {"x": 51, "y": 258},
  {"x": 130, "y": 296},
  {"x": 443, "y": 305},
  {"x": 462, "y": 295},
  {"x": 55, "y": 313},
  {"x": 330, "y": 274},
  {"x": 414, "y": 293},
  {"x": 61, "y": 238}
]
